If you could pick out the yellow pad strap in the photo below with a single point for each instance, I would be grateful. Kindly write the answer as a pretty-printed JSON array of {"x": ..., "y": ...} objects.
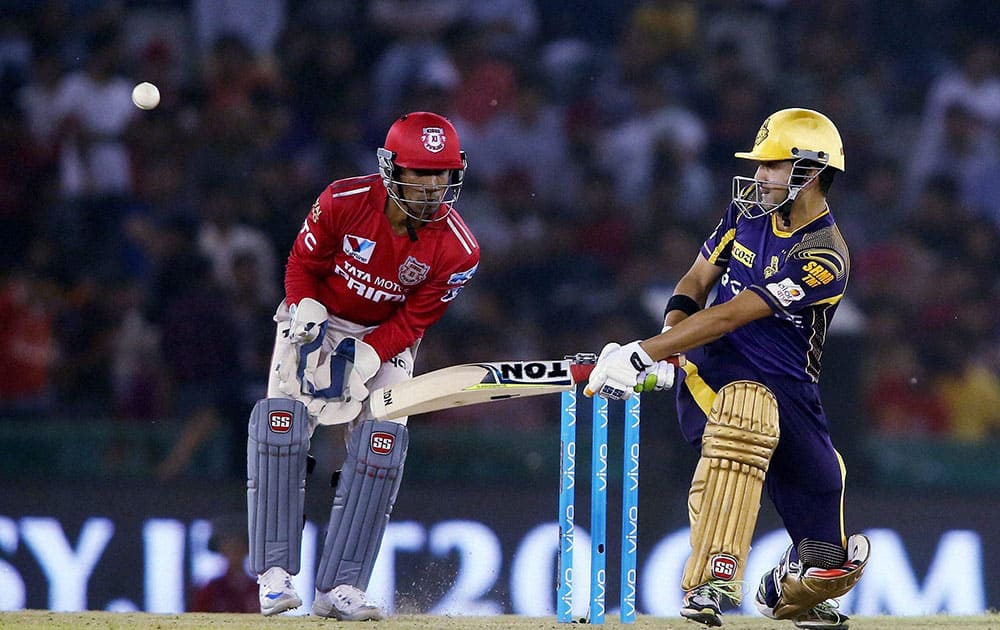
[{"x": 740, "y": 436}]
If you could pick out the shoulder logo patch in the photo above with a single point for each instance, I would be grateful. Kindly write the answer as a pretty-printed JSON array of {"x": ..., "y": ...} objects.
[
  {"x": 785, "y": 292},
  {"x": 463, "y": 276}
]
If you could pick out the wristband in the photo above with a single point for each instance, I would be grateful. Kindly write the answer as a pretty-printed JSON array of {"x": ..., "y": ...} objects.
[{"x": 683, "y": 303}]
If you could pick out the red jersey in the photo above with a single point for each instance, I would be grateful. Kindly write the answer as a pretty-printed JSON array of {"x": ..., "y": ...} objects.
[{"x": 348, "y": 258}]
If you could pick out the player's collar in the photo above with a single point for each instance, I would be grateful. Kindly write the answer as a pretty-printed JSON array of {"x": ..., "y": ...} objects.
[{"x": 787, "y": 233}]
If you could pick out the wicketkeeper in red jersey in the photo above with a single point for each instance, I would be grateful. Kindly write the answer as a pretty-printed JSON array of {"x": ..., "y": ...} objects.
[
  {"x": 378, "y": 260},
  {"x": 748, "y": 395}
]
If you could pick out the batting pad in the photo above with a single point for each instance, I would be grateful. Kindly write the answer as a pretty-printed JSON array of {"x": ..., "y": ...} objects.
[
  {"x": 277, "y": 446},
  {"x": 366, "y": 492},
  {"x": 800, "y": 588},
  {"x": 740, "y": 436}
]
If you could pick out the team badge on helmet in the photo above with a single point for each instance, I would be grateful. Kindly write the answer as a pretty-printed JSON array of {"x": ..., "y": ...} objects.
[
  {"x": 762, "y": 134},
  {"x": 433, "y": 139}
]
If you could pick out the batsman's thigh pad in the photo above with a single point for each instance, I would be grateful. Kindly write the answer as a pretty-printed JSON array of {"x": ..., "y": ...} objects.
[
  {"x": 366, "y": 492},
  {"x": 277, "y": 449},
  {"x": 800, "y": 588},
  {"x": 739, "y": 439}
]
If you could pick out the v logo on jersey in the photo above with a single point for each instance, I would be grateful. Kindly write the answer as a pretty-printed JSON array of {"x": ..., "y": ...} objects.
[{"x": 358, "y": 248}]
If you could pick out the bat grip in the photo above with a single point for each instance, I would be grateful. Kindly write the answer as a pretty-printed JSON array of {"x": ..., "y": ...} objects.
[{"x": 581, "y": 371}]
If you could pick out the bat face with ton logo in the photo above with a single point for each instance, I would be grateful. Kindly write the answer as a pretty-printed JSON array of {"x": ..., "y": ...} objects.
[{"x": 473, "y": 383}]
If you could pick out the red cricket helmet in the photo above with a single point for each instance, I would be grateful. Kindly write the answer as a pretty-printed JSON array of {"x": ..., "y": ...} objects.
[{"x": 423, "y": 141}]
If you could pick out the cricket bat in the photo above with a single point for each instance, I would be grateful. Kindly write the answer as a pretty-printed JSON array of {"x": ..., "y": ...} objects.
[{"x": 474, "y": 383}]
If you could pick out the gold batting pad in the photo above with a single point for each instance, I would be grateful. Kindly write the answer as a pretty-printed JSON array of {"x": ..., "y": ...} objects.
[
  {"x": 801, "y": 590},
  {"x": 740, "y": 436}
]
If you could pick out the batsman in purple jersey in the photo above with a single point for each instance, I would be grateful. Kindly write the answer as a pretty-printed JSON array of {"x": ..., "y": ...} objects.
[{"x": 748, "y": 394}]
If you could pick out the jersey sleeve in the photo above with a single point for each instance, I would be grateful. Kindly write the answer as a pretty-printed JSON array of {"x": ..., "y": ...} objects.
[
  {"x": 815, "y": 272},
  {"x": 718, "y": 247},
  {"x": 312, "y": 253}
]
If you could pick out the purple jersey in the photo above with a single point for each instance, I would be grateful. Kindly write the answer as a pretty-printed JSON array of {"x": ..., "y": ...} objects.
[{"x": 802, "y": 275}]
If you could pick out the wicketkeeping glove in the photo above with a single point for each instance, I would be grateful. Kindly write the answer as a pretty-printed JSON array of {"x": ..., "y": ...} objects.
[
  {"x": 617, "y": 371},
  {"x": 339, "y": 388},
  {"x": 329, "y": 412},
  {"x": 308, "y": 321},
  {"x": 344, "y": 374},
  {"x": 301, "y": 352},
  {"x": 297, "y": 365}
]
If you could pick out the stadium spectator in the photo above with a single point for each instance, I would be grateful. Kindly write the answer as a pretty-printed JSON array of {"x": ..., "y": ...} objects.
[
  {"x": 91, "y": 184},
  {"x": 235, "y": 591}
]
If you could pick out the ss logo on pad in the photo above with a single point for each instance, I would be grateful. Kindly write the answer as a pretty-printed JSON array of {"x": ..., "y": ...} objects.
[
  {"x": 723, "y": 566},
  {"x": 382, "y": 443},
  {"x": 280, "y": 421}
]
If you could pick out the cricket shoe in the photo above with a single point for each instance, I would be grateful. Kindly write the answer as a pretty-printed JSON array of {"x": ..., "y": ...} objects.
[
  {"x": 767, "y": 594},
  {"x": 345, "y": 603},
  {"x": 276, "y": 592},
  {"x": 702, "y": 604},
  {"x": 824, "y": 616}
]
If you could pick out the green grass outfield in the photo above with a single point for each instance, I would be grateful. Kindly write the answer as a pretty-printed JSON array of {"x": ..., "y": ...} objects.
[{"x": 189, "y": 621}]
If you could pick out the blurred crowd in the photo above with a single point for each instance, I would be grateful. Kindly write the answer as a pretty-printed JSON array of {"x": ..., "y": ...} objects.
[{"x": 145, "y": 249}]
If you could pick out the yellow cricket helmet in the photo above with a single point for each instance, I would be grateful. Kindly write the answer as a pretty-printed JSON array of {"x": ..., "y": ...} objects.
[
  {"x": 807, "y": 138},
  {"x": 792, "y": 134}
]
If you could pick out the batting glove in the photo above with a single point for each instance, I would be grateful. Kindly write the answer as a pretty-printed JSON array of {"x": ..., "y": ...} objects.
[
  {"x": 617, "y": 371},
  {"x": 657, "y": 378}
]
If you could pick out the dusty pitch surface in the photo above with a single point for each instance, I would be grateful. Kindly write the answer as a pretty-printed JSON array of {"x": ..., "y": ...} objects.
[{"x": 37, "y": 619}]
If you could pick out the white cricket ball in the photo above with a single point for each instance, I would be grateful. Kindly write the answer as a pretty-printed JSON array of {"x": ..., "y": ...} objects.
[{"x": 146, "y": 95}]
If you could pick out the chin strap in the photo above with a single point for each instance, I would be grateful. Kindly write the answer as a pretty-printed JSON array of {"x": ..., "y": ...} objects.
[
  {"x": 786, "y": 216},
  {"x": 785, "y": 207},
  {"x": 410, "y": 230}
]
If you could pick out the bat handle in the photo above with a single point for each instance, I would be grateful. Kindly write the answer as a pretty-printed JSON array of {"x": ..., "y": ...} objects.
[{"x": 581, "y": 371}]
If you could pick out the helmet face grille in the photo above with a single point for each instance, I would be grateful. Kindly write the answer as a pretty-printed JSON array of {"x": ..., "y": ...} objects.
[
  {"x": 430, "y": 203},
  {"x": 748, "y": 191}
]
